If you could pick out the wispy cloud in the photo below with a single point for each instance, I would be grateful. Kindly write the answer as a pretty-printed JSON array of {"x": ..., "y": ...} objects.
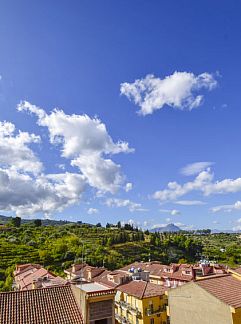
[
  {"x": 179, "y": 90},
  {"x": 227, "y": 208},
  {"x": 190, "y": 202},
  {"x": 195, "y": 168},
  {"x": 132, "y": 206},
  {"x": 172, "y": 212},
  {"x": 92, "y": 211}
]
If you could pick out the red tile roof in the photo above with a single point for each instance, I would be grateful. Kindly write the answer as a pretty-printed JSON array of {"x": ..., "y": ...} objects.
[
  {"x": 55, "y": 305},
  {"x": 224, "y": 287},
  {"x": 160, "y": 270},
  {"x": 142, "y": 289},
  {"x": 237, "y": 270}
]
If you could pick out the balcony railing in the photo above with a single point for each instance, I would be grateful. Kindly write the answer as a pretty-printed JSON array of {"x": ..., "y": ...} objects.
[
  {"x": 122, "y": 319},
  {"x": 151, "y": 311},
  {"x": 129, "y": 308}
]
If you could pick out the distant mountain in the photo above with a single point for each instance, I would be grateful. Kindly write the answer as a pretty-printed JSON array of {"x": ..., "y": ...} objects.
[
  {"x": 167, "y": 228},
  {"x": 216, "y": 231}
]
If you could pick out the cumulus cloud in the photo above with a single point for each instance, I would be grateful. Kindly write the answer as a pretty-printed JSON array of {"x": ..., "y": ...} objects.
[
  {"x": 227, "y": 208},
  {"x": 190, "y": 202},
  {"x": 203, "y": 183},
  {"x": 92, "y": 211},
  {"x": 172, "y": 212},
  {"x": 86, "y": 142},
  {"x": 132, "y": 206},
  {"x": 26, "y": 194},
  {"x": 179, "y": 90},
  {"x": 15, "y": 152},
  {"x": 195, "y": 168}
]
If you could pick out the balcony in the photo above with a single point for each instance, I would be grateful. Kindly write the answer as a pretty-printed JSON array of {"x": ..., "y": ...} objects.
[
  {"x": 129, "y": 308},
  {"x": 122, "y": 319},
  {"x": 150, "y": 311}
]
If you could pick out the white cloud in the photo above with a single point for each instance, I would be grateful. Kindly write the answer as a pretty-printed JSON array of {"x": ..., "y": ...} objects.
[
  {"x": 190, "y": 202},
  {"x": 26, "y": 194},
  {"x": 92, "y": 211},
  {"x": 128, "y": 186},
  {"x": 86, "y": 142},
  {"x": 203, "y": 183},
  {"x": 195, "y": 168},
  {"x": 172, "y": 212},
  {"x": 14, "y": 149},
  {"x": 168, "y": 220},
  {"x": 179, "y": 90},
  {"x": 132, "y": 206},
  {"x": 237, "y": 228},
  {"x": 227, "y": 208}
]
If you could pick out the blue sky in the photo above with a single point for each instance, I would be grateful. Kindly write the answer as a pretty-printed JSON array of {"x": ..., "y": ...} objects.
[{"x": 91, "y": 59}]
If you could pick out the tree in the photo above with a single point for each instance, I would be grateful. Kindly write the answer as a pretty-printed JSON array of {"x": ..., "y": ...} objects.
[
  {"x": 119, "y": 224},
  {"x": 37, "y": 222},
  {"x": 16, "y": 221},
  {"x": 98, "y": 225}
]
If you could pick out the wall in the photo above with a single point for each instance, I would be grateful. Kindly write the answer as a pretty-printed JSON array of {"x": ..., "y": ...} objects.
[{"x": 190, "y": 304}]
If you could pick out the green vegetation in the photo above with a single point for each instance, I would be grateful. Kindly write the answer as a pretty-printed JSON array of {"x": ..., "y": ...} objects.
[{"x": 57, "y": 247}]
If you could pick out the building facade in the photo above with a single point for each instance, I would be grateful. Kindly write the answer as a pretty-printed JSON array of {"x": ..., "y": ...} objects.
[{"x": 215, "y": 299}]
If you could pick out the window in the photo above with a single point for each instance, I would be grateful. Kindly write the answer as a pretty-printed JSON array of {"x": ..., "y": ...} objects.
[{"x": 152, "y": 321}]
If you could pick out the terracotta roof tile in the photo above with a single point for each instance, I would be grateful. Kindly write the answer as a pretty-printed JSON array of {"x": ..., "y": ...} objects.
[
  {"x": 224, "y": 287},
  {"x": 142, "y": 289},
  {"x": 40, "y": 306}
]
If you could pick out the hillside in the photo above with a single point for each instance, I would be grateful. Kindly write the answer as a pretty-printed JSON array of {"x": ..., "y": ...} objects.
[{"x": 60, "y": 244}]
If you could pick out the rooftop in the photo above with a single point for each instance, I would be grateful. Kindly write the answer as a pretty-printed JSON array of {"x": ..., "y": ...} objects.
[
  {"x": 224, "y": 287},
  {"x": 43, "y": 306},
  {"x": 92, "y": 287},
  {"x": 142, "y": 289}
]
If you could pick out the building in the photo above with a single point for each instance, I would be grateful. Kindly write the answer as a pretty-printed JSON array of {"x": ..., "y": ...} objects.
[
  {"x": 90, "y": 303},
  {"x": 83, "y": 272},
  {"x": 96, "y": 302},
  {"x": 140, "y": 302},
  {"x": 214, "y": 299},
  {"x": 174, "y": 275},
  {"x": 32, "y": 276},
  {"x": 43, "y": 306}
]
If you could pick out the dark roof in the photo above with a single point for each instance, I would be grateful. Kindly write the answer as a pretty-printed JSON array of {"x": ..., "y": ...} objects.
[
  {"x": 142, "y": 289},
  {"x": 224, "y": 287},
  {"x": 40, "y": 306}
]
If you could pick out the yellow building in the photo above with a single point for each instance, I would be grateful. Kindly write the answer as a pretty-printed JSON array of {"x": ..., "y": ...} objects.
[
  {"x": 211, "y": 300},
  {"x": 140, "y": 302}
]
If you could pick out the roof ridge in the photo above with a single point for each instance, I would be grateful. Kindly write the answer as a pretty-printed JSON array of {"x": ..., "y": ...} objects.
[
  {"x": 144, "y": 290},
  {"x": 32, "y": 290},
  {"x": 213, "y": 277}
]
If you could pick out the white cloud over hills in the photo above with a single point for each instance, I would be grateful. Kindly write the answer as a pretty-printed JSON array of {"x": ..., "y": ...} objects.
[
  {"x": 26, "y": 189},
  {"x": 179, "y": 90},
  {"x": 203, "y": 182}
]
